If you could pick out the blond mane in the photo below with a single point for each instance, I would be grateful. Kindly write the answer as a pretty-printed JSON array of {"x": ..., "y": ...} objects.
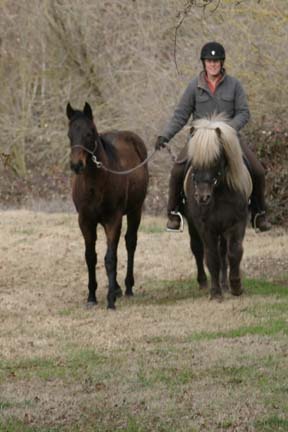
[{"x": 210, "y": 136}]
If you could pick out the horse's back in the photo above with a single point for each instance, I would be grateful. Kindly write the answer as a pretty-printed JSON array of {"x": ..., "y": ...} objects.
[{"x": 128, "y": 144}]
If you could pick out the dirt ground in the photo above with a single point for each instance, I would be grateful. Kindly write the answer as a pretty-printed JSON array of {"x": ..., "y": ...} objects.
[{"x": 43, "y": 286}]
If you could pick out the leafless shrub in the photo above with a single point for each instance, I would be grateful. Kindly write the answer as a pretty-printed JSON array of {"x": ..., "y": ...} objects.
[{"x": 120, "y": 56}]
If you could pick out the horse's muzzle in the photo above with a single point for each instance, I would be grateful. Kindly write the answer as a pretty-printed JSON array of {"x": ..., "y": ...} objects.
[
  {"x": 78, "y": 167},
  {"x": 203, "y": 194},
  {"x": 203, "y": 200}
]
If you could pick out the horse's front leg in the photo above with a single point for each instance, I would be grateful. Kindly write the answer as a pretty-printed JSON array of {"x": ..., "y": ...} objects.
[
  {"x": 197, "y": 249},
  {"x": 89, "y": 231},
  {"x": 213, "y": 264},
  {"x": 235, "y": 253},
  {"x": 223, "y": 263},
  {"x": 112, "y": 231}
]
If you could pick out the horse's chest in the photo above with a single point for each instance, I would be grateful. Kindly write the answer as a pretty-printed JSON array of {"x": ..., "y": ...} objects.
[{"x": 221, "y": 216}]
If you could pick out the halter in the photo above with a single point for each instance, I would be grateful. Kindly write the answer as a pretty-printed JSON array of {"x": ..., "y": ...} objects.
[{"x": 91, "y": 152}]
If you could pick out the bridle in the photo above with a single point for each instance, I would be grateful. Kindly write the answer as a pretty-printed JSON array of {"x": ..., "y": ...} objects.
[
  {"x": 91, "y": 152},
  {"x": 214, "y": 181}
]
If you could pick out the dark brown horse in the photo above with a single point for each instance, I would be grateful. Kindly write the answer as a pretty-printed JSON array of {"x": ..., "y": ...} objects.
[
  {"x": 217, "y": 189},
  {"x": 103, "y": 197}
]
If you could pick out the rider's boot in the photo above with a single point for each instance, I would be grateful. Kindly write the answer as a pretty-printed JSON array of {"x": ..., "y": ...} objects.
[{"x": 175, "y": 219}]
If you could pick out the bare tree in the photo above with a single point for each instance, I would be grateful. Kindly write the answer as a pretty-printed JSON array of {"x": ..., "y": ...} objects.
[{"x": 120, "y": 56}]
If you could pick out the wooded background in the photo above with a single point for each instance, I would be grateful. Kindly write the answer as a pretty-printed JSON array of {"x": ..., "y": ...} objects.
[{"x": 131, "y": 60}]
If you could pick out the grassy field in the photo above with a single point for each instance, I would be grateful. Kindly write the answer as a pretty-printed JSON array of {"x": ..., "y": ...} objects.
[{"x": 167, "y": 360}]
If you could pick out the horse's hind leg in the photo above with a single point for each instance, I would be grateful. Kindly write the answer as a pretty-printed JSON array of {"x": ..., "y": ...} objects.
[
  {"x": 197, "y": 249},
  {"x": 89, "y": 233},
  {"x": 133, "y": 221}
]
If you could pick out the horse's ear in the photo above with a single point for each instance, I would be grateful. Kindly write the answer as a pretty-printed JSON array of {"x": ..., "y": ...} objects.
[
  {"x": 69, "y": 111},
  {"x": 218, "y": 132},
  {"x": 88, "y": 111}
]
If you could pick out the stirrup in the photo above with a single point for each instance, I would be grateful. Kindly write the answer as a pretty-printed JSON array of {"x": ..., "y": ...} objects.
[{"x": 181, "y": 228}]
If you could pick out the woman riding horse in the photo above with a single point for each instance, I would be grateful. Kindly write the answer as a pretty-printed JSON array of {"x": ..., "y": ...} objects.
[{"x": 213, "y": 92}]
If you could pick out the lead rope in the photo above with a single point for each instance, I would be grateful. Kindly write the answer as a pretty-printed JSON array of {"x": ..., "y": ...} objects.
[{"x": 100, "y": 164}]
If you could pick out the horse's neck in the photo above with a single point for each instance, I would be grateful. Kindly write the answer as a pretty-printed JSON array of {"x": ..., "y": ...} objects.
[{"x": 101, "y": 153}]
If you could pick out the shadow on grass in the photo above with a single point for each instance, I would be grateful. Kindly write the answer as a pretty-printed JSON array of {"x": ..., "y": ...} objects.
[
  {"x": 171, "y": 291},
  {"x": 168, "y": 292}
]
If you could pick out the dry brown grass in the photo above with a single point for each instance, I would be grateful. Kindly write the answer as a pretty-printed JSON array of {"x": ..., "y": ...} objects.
[{"x": 157, "y": 358}]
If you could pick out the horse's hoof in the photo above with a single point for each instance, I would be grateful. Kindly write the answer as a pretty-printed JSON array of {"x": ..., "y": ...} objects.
[
  {"x": 111, "y": 307},
  {"x": 129, "y": 293},
  {"x": 203, "y": 285},
  {"x": 237, "y": 291},
  {"x": 216, "y": 296},
  {"x": 225, "y": 287},
  {"x": 91, "y": 304}
]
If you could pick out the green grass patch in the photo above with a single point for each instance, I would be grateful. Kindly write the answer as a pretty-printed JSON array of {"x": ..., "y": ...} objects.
[
  {"x": 67, "y": 312},
  {"x": 132, "y": 426},
  {"x": 272, "y": 424},
  {"x": 14, "y": 425},
  {"x": 273, "y": 311},
  {"x": 235, "y": 375},
  {"x": 151, "y": 229},
  {"x": 168, "y": 292},
  {"x": 4, "y": 405},
  {"x": 264, "y": 288},
  {"x": 171, "y": 376},
  {"x": 270, "y": 328},
  {"x": 25, "y": 231},
  {"x": 72, "y": 366}
]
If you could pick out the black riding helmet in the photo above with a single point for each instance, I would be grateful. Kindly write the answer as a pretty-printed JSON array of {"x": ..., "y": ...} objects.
[{"x": 212, "y": 51}]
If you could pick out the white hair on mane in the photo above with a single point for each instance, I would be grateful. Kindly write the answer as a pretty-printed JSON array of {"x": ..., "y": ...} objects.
[{"x": 210, "y": 135}]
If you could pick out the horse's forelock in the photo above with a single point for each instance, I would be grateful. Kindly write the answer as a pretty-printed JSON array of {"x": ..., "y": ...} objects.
[
  {"x": 209, "y": 137},
  {"x": 204, "y": 146}
]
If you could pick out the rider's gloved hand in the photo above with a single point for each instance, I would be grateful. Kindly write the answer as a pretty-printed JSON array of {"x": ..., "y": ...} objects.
[{"x": 160, "y": 142}]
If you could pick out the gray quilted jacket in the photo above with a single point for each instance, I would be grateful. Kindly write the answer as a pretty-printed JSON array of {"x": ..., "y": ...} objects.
[{"x": 198, "y": 101}]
